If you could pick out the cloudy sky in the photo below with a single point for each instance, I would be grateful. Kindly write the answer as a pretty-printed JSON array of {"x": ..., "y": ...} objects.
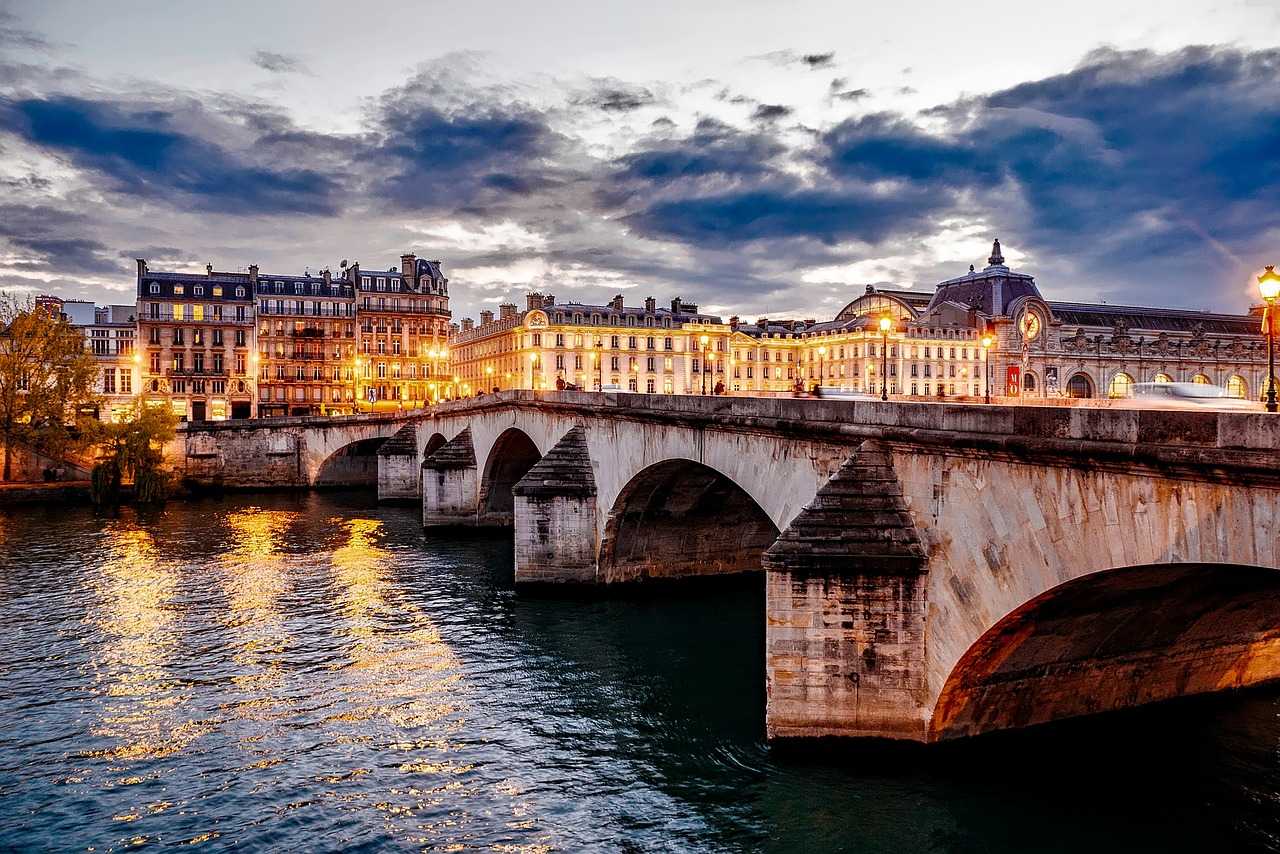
[{"x": 755, "y": 157}]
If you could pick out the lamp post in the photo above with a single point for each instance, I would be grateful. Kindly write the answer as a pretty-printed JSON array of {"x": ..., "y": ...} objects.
[
  {"x": 704, "y": 341},
  {"x": 986, "y": 357},
  {"x": 1269, "y": 285},
  {"x": 885, "y": 323},
  {"x": 598, "y": 358},
  {"x": 533, "y": 370},
  {"x": 822, "y": 355},
  {"x": 355, "y": 386},
  {"x": 488, "y": 371}
]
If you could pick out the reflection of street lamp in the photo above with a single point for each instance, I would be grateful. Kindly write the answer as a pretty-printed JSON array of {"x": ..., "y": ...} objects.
[
  {"x": 704, "y": 341},
  {"x": 1269, "y": 285},
  {"x": 987, "y": 341},
  {"x": 822, "y": 354},
  {"x": 533, "y": 370},
  {"x": 885, "y": 323},
  {"x": 488, "y": 369}
]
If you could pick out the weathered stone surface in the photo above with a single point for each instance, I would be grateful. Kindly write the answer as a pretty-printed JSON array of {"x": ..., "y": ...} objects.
[
  {"x": 458, "y": 452},
  {"x": 555, "y": 516},
  {"x": 403, "y": 443},
  {"x": 399, "y": 473},
  {"x": 451, "y": 484},
  {"x": 565, "y": 470},
  {"x": 845, "y": 610}
]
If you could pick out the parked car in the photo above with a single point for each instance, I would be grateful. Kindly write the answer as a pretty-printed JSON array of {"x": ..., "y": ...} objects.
[
  {"x": 1188, "y": 396},
  {"x": 611, "y": 387}
]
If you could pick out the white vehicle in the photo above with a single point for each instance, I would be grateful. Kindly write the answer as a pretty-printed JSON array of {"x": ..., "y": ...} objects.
[
  {"x": 1188, "y": 396},
  {"x": 611, "y": 387},
  {"x": 835, "y": 393}
]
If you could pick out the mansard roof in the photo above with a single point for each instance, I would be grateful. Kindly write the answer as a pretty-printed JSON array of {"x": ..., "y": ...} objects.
[{"x": 1153, "y": 319}]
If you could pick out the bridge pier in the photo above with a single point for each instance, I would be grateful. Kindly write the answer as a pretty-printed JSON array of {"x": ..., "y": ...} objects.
[
  {"x": 399, "y": 475},
  {"x": 451, "y": 484},
  {"x": 845, "y": 611},
  {"x": 555, "y": 516}
]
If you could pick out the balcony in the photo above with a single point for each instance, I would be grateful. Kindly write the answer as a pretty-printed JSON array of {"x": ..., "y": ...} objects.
[
  {"x": 307, "y": 333},
  {"x": 196, "y": 372}
]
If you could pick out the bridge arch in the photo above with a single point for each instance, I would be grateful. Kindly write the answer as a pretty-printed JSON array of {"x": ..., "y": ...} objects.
[
  {"x": 679, "y": 518},
  {"x": 435, "y": 443},
  {"x": 353, "y": 464},
  {"x": 1116, "y": 639},
  {"x": 512, "y": 455}
]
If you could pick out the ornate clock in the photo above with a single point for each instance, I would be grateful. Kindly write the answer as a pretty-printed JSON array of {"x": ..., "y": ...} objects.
[{"x": 1029, "y": 326}]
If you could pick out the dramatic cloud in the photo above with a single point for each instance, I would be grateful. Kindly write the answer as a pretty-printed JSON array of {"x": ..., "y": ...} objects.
[
  {"x": 770, "y": 112},
  {"x": 277, "y": 63},
  {"x": 44, "y": 239},
  {"x": 149, "y": 150},
  {"x": 614, "y": 96},
  {"x": 1130, "y": 167}
]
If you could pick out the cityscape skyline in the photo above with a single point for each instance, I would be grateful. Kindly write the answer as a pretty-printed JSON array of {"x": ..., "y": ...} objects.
[{"x": 779, "y": 173}]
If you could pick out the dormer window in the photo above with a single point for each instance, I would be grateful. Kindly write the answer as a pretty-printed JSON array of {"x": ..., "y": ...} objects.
[
  {"x": 155, "y": 287},
  {"x": 240, "y": 292},
  {"x": 198, "y": 290},
  {"x": 297, "y": 287},
  {"x": 178, "y": 290}
]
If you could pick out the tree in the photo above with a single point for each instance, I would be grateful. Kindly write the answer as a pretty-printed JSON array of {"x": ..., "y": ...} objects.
[
  {"x": 132, "y": 448},
  {"x": 45, "y": 374}
]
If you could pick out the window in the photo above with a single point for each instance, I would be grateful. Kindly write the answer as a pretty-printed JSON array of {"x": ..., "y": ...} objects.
[
  {"x": 178, "y": 290},
  {"x": 198, "y": 290},
  {"x": 155, "y": 287},
  {"x": 1237, "y": 387},
  {"x": 126, "y": 381}
]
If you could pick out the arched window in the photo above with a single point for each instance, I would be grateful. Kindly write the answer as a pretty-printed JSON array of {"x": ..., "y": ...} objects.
[
  {"x": 1028, "y": 382},
  {"x": 1162, "y": 378},
  {"x": 1201, "y": 379},
  {"x": 1237, "y": 387},
  {"x": 1121, "y": 385},
  {"x": 1080, "y": 386}
]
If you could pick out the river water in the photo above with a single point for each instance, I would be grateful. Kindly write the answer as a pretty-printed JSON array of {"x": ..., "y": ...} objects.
[{"x": 312, "y": 672}]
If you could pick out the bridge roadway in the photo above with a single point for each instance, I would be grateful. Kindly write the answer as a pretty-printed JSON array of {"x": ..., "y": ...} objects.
[{"x": 931, "y": 570}]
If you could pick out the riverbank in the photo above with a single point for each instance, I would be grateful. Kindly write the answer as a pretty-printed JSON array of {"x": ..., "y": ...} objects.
[{"x": 54, "y": 492}]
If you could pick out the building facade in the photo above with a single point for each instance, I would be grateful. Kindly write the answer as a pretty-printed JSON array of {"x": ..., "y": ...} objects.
[
  {"x": 403, "y": 333},
  {"x": 196, "y": 339},
  {"x": 306, "y": 345},
  {"x": 675, "y": 350},
  {"x": 111, "y": 337}
]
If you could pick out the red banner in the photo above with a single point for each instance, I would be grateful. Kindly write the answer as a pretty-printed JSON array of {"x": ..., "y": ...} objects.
[{"x": 1013, "y": 384}]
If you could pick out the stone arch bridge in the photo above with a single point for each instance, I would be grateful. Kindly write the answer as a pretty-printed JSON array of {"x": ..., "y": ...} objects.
[{"x": 932, "y": 570}]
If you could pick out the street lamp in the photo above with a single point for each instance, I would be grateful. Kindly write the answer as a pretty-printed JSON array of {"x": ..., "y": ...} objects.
[
  {"x": 1269, "y": 285},
  {"x": 987, "y": 341},
  {"x": 705, "y": 342},
  {"x": 822, "y": 354},
  {"x": 488, "y": 370},
  {"x": 355, "y": 386},
  {"x": 533, "y": 370},
  {"x": 885, "y": 323}
]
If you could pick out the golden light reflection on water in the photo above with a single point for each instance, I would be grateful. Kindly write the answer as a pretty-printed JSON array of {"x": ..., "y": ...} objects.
[
  {"x": 402, "y": 672},
  {"x": 136, "y": 618},
  {"x": 255, "y": 578}
]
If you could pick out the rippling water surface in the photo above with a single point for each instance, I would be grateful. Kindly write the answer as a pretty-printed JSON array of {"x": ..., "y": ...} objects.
[{"x": 313, "y": 673}]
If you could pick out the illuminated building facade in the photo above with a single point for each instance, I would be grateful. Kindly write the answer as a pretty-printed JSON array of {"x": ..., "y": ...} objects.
[{"x": 675, "y": 350}]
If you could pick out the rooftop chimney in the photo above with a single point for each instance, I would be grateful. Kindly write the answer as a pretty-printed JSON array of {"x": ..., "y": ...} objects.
[
  {"x": 468, "y": 324},
  {"x": 327, "y": 276},
  {"x": 616, "y": 303},
  {"x": 762, "y": 322},
  {"x": 253, "y": 274},
  {"x": 733, "y": 322},
  {"x": 675, "y": 305},
  {"x": 142, "y": 267},
  {"x": 486, "y": 317},
  {"x": 532, "y": 301},
  {"x": 407, "y": 264},
  {"x": 506, "y": 310},
  {"x": 549, "y": 299},
  {"x": 650, "y": 305},
  {"x": 208, "y": 269}
]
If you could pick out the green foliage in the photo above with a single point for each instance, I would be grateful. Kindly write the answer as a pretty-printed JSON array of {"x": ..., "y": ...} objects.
[
  {"x": 45, "y": 374},
  {"x": 133, "y": 448}
]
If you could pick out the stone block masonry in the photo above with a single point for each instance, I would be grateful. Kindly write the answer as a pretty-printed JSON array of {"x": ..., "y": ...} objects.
[
  {"x": 399, "y": 472},
  {"x": 450, "y": 484},
  {"x": 555, "y": 516}
]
